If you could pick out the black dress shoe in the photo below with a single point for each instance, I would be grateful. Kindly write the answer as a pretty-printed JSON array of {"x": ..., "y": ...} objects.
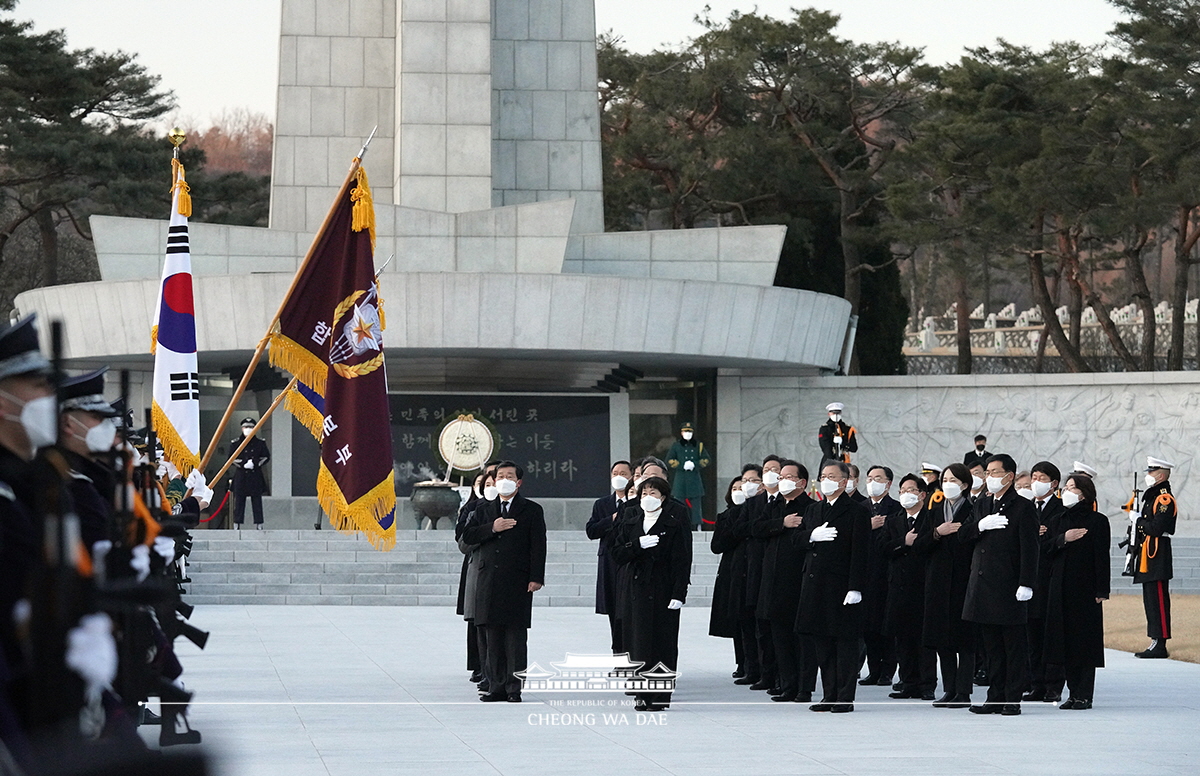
[
  {"x": 1035, "y": 695},
  {"x": 738, "y": 674},
  {"x": 514, "y": 697},
  {"x": 762, "y": 684},
  {"x": 959, "y": 702},
  {"x": 1011, "y": 709},
  {"x": 943, "y": 702},
  {"x": 786, "y": 697},
  {"x": 821, "y": 707},
  {"x": 1052, "y": 698},
  {"x": 842, "y": 708},
  {"x": 744, "y": 680},
  {"x": 493, "y": 697},
  {"x": 900, "y": 694},
  {"x": 1076, "y": 704},
  {"x": 986, "y": 708},
  {"x": 927, "y": 696},
  {"x": 869, "y": 680},
  {"x": 981, "y": 678},
  {"x": 639, "y": 705},
  {"x": 885, "y": 681},
  {"x": 804, "y": 697},
  {"x": 476, "y": 677},
  {"x": 898, "y": 686},
  {"x": 1157, "y": 649}
]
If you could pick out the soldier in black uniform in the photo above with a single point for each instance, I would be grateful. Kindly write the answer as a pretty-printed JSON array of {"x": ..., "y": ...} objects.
[
  {"x": 979, "y": 455},
  {"x": 1152, "y": 554},
  {"x": 837, "y": 438},
  {"x": 87, "y": 430},
  {"x": 248, "y": 478}
]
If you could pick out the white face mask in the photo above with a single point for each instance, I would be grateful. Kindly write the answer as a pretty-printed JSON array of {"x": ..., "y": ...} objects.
[
  {"x": 851, "y": 486},
  {"x": 829, "y": 487},
  {"x": 651, "y": 503},
  {"x": 619, "y": 483},
  {"x": 836, "y": 417},
  {"x": 995, "y": 484},
  {"x": 976, "y": 482},
  {"x": 786, "y": 486},
  {"x": 770, "y": 479},
  {"x": 506, "y": 487},
  {"x": 1040, "y": 488},
  {"x": 687, "y": 435},
  {"x": 1069, "y": 499},
  {"x": 1149, "y": 480},
  {"x": 246, "y": 430},
  {"x": 490, "y": 493},
  {"x": 909, "y": 500},
  {"x": 39, "y": 418},
  {"x": 876, "y": 489},
  {"x": 738, "y": 497},
  {"x": 750, "y": 489},
  {"x": 101, "y": 437},
  {"x": 1025, "y": 493},
  {"x": 952, "y": 490}
]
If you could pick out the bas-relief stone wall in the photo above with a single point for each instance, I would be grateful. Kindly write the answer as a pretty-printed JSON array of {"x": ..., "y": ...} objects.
[{"x": 1107, "y": 422}]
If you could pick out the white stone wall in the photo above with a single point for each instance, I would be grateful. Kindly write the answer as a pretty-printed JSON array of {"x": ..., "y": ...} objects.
[
  {"x": 1109, "y": 421},
  {"x": 545, "y": 117},
  {"x": 337, "y": 75}
]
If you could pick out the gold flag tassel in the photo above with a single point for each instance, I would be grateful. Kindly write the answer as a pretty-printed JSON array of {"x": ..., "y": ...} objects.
[
  {"x": 175, "y": 449},
  {"x": 364, "y": 514},
  {"x": 180, "y": 185},
  {"x": 363, "y": 213}
]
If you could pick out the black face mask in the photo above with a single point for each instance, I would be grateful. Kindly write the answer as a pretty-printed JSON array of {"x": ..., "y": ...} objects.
[{"x": 980, "y": 448}]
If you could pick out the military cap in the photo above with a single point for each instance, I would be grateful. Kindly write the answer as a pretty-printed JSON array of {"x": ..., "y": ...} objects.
[
  {"x": 19, "y": 351},
  {"x": 86, "y": 392}
]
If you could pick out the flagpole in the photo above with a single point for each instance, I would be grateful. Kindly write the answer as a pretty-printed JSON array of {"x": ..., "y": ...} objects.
[
  {"x": 262, "y": 344},
  {"x": 254, "y": 431}
]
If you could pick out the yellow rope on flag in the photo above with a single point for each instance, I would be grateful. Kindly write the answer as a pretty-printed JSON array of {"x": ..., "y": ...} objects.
[
  {"x": 154, "y": 339},
  {"x": 174, "y": 448},
  {"x": 180, "y": 185},
  {"x": 364, "y": 514},
  {"x": 363, "y": 212}
]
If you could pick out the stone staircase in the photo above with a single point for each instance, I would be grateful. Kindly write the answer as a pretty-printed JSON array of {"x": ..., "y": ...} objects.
[{"x": 325, "y": 567}]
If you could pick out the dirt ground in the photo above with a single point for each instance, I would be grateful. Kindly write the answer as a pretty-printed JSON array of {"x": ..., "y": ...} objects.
[{"x": 1125, "y": 625}]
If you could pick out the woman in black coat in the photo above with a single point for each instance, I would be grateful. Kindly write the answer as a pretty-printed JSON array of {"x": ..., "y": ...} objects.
[
  {"x": 946, "y": 577},
  {"x": 723, "y": 616},
  {"x": 653, "y": 551},
  {"x": 1079, "y": 582},
  {"x": 464, "y": 515}
]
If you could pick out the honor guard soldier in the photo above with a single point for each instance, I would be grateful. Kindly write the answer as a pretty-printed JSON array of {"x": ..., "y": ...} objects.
[
  {"x": 686, "y": 458},
  {"x": 88, "y": 431},
  {"x": 1152, "y": 529},
  {"x": 248, "y": 478},
  {"x": 837, "y": 438}
]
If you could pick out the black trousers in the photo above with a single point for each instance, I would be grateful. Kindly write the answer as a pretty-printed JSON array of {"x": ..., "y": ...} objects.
[
  {"x": 809, "y": 664},
  {"x": 787, "y": 654},
  {"x": 239, "y": 508},
  {"x": 473, "y": 654},
  {"x": 1007, "y": 652},
  {"x": 839, "y": 660},
  {"x": 766, "y": 650},
  {"x": 748, "y": 637},
  {"x": 739, "y": 654},
  {"x": 958, "y": 671},
  {"x": 614, "y": 628},
  {"x": 1043, "y": 676},
  {"x": 1156, "y": 598},
  {"x": 1081, "y": 681},
  {"x": 881, "y": 655},
  {"x": 506, "y": 654},
  {"x": 652, "y": 639},
  {"x": 918, "y": 663}
]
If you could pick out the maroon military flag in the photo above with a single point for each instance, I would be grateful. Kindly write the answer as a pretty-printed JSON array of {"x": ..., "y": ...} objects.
[{"x": 330, "y": 335}]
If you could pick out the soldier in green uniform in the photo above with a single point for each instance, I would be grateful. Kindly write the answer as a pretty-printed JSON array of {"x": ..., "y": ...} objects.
[
  {"x": 686, "y": 458},
  {"x": 1153, "y": 527}
]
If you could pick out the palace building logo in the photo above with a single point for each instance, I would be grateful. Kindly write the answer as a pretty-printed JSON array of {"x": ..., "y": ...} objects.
[{"x": 598, "y": 673}]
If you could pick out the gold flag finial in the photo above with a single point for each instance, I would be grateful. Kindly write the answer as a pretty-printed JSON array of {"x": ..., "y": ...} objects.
[{"x": 176, "y": 136}]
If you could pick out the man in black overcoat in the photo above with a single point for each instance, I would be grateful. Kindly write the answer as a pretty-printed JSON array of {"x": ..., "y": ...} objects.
[
  {"x": 783, "y": 570},
  {"x": 248, "y": 479},
  {"x": 600, "y": 526},
  {"x": 880, "y": 649},
  {"x": 755, "y": 549},
  {"x": 836, "y": 533},
  {"x": 511, "y": 534},
  {"x": 1003, "y": 531},
  {"x": 1045, "y": 679}
]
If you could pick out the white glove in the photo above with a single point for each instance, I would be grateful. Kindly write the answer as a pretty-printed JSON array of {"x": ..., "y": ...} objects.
[
  {"x": 194, "y": 479},
  {"x": 92, "y": 652},
  {"x": 688, "y": 466},
  {"x": 823, "y": 533},
  {"x": 1024, "y": 593},
  {"x": 165, "y": 547},
  {"x": 852, "y": 597},
  {"x": 675, "y": 604},
  {"x": 1133, "y": 516},
  {"x": 140, "y": 562},
  {"x": 992, "y": 522},
  {"x": 161, "y": 471},
  {"x": 248, "y": 465},
  {"x": 837, "y": 440},
  {"x": 648, "y": 541}
]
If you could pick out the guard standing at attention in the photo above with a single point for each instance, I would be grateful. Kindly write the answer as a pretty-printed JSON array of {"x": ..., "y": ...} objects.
[
  {"x": 686, "y": 458},
  {"x": 1152, "y": 553},
  {"x": 248, "y": 478},
  {"x": 837, "y": 438}
]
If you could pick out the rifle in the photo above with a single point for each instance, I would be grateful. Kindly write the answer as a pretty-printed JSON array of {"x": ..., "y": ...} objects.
[{"x": 1131, "y": 543}]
